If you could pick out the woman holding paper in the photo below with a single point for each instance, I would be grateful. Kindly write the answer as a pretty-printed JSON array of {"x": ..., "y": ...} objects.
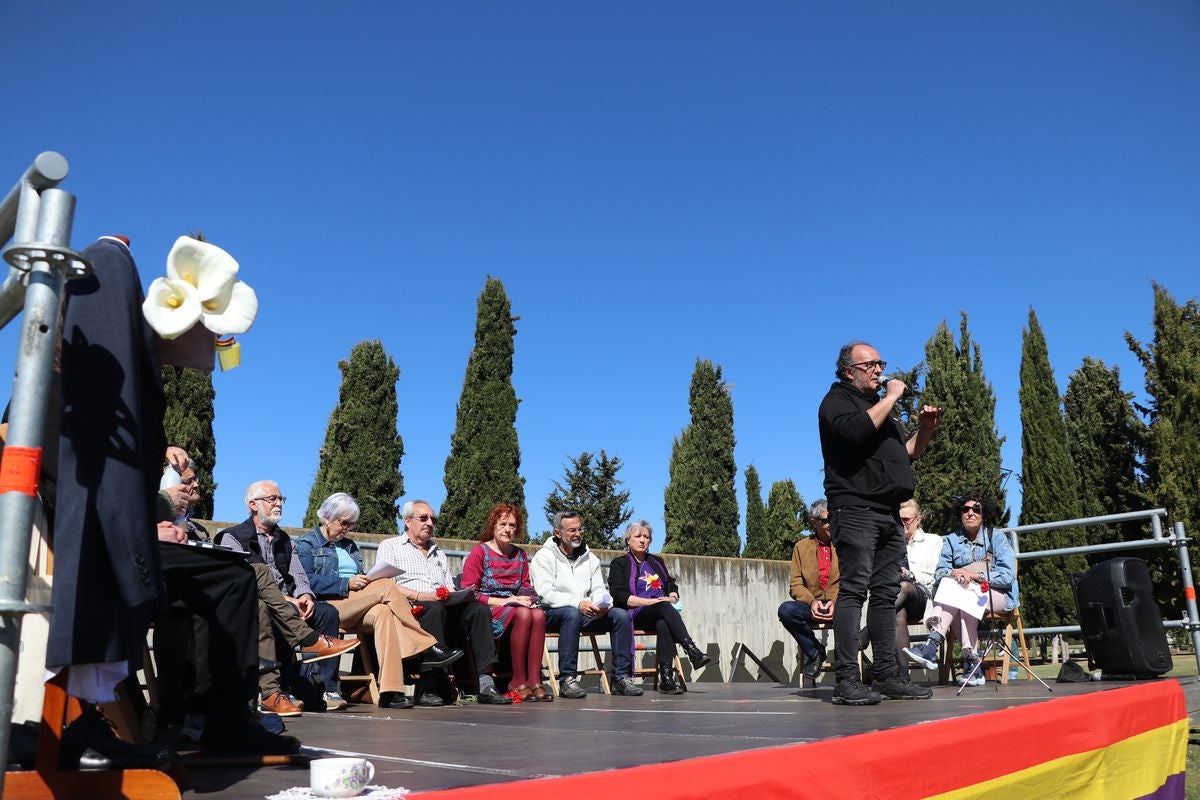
[
  {"x": 983, "y": 566},
  {"x": 364, "y": 605},
  {"x": 498, "y": 571},
  {"x": 640, "y": 583}
]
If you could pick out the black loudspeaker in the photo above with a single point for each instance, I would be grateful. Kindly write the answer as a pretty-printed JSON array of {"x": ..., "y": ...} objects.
[{"x": 1122, "y": 625}]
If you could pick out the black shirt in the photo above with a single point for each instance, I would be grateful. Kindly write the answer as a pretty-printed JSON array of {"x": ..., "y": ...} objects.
[{"x": 864, "y": 466}]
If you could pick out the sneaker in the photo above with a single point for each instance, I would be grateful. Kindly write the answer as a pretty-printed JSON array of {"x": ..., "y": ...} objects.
[
  {"x": 851, "y": 692},
  {"x": 968, "y": 663},
  {"x": 569, "y": 687},
  {"x": 627, "y": 687},
  {"x": 898, "y": 688},
  {"x": 334, "y": 701},
  {"x": 925, "y": 655}
]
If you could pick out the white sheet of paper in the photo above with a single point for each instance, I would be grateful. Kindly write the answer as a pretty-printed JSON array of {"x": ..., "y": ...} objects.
[
  {"x": 383, "y": 569},
  {"x": 969, "y": 599}
]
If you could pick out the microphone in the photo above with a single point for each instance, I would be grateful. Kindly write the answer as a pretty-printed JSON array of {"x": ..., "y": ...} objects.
[{"x": 908, "y": 390}]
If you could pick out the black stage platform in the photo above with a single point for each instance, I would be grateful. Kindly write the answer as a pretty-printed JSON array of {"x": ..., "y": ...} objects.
[{"x": 469, "y": 745}]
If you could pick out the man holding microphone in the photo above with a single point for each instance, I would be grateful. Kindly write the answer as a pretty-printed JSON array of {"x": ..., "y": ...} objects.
[{"x": 868, "y": 474}]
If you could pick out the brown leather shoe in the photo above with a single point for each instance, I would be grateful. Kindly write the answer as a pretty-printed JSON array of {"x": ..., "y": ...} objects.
[
  {"x": 326, "y": 647},
  {"x": 278, "y": 703},
  {"x": 540, "y": 693}
]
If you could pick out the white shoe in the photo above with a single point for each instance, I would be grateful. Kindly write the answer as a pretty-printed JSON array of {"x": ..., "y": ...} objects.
[{"x": 334, "y": 701}]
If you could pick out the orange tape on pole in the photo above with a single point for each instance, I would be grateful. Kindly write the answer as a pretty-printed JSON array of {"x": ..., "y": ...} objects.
[
  {"x": 20, "y": 469},
  {"x": 1189, "y": 592}
]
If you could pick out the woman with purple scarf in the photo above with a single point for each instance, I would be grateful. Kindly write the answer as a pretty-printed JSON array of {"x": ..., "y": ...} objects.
[{"x": 639, "y": 582}]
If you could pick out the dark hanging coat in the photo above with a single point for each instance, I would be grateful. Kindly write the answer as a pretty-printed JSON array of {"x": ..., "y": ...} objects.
[{"x": 107, "y": 580}]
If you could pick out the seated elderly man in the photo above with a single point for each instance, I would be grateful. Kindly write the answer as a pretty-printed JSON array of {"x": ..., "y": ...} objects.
[
  {"x": 276, "y": 616},
  {"x": 262, "y": 539},
  {"x": 566, "y": 576},
  {"x": 335, "y": 572},
  {"x": 814, "y": 588},
  {"x": 427, "y": 581}
]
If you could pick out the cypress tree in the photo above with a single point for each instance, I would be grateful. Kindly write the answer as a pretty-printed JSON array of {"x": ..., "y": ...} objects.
[
  {"x": 592, "y": 489},
  {"x": 1106, "y": 437},
  {"x": 755, "y": 515},
  {"x": 1049, "y": 487},
  {"x": 965, "y": 451},
  {"x": 484, "y": 464},
  {"x": 781, "y": 523},
  {"x": 188, "y": 423},
  {"x": 1172, "y": 468},
  {"x": 700, "y": 502},
  {"x": 362, "y": 451}
]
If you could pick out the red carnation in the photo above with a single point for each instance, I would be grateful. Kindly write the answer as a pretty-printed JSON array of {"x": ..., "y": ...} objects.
[
  {"x": 985, "y": 587},
  {"x": 515, "y": 697},
  {"x": 442, "y": 593},
  {"x": 416, "y": 610}
]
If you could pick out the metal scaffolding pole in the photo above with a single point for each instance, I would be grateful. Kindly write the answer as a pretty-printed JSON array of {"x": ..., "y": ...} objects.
[
  {"x": 44, "y": 173},
  {"x": 1192, "y": 623},
  {"x": 40, "y": 255}
]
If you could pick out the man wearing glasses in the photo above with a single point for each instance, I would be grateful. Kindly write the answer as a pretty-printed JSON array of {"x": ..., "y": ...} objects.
[
  {"x": 261, "y": 537},
  {"x": 566, "y": 576},
  {"x": 868, "y": 474},
  {"x": 426, "y": 582},
  {"x": 814, "y": 589}
]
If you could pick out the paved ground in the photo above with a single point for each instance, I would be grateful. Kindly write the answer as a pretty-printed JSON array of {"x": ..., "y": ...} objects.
[{"x": 424, "y": 749}]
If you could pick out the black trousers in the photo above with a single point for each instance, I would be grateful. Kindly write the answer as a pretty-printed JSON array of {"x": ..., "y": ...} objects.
[
  {"x": 468, "y": 623},
  {"x": 870, "y": 550},
  {"x": 663, "y": 619},
  {"x": 222, "y": 593}
]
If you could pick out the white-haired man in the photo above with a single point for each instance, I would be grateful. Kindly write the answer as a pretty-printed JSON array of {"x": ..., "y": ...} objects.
[
  {"x": 261, "y": 537},
  {"x": 426, "y": 581}
]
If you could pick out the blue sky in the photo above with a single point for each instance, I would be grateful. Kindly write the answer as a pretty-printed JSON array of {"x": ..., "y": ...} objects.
[{"x": 754, "y": 183}]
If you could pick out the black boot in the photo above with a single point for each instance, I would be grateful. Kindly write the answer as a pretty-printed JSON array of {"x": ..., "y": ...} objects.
[
  {"x": 666, "y": 680},
  {"x": 697, "y": 656}
]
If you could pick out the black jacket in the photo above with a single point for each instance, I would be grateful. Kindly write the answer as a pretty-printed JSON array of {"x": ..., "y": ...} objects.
[
  {"x": 281, "y": 551},
  {"x": 863, "y": 466},
  {"x": 622, "y": 567},
  {"x": 107, "y": 580}
]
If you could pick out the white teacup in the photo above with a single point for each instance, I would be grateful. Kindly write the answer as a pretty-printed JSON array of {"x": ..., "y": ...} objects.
[{"x": 339, "y": 777}]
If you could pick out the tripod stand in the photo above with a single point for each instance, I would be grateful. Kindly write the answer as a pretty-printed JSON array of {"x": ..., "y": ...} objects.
[{"x": 994, "y": 638}]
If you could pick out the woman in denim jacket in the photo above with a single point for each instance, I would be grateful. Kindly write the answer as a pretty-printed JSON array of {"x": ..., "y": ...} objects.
[
  {"x": 335, "y": 572},
  {"x": 972, "y": 554}
]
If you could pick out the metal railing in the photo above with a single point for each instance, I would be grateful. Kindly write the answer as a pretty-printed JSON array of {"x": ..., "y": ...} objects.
[
  {"x": 1191, "y": 619},
  {"x": 38, "y": 219}
]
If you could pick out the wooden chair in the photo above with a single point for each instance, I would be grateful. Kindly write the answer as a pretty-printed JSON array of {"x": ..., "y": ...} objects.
[
  {"x": 363, "y": 658},
  {"x": 597, "y": 657},
  {"x": 1010, "y": 620},
  {"x": 652, "y": 670},
  {"x": 828, "y": 667}
]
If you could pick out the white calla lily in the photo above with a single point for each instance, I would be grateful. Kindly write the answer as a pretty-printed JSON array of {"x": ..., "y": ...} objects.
[
  {"x": 205, "y": 266},
  {"x": 231, "y": 312},
  {"x": 171, "y": 307}
]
